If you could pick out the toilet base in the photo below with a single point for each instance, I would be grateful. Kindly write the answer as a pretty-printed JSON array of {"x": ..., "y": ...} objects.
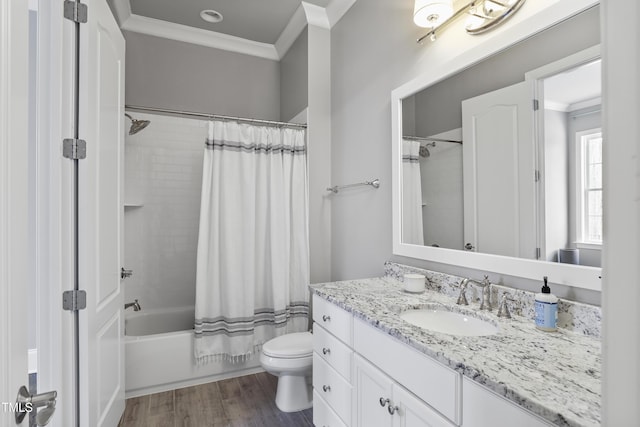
[{"x": 294, "y": 393}]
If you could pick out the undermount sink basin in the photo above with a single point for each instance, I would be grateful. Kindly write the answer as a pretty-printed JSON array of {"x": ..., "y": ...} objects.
[{"x": 448, "y": 322}]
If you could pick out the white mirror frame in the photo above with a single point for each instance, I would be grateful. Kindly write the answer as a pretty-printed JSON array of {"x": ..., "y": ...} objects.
[{"x": 566, "y": 274}]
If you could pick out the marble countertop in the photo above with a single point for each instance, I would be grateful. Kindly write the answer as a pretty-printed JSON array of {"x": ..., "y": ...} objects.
[{"x": 555, "y": 375}]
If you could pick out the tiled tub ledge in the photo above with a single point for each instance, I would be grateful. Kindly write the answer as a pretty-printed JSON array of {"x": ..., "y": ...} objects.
[{"x": 554, "y": 375}]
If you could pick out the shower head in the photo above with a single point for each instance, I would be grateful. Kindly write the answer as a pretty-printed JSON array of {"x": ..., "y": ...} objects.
[
  {"x": 136, "y": 124},
  {"x": 424, "y": 150}
]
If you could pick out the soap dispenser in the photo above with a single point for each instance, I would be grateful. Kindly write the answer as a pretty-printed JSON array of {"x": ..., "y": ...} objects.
[{"x": 546, "y": 307}]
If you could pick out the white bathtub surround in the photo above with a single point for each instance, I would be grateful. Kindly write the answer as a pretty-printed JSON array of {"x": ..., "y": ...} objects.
[
  {"x": 253, "y": 245},
  {"x": 573, "y": 316},
  {"x": 163, "y": 178},
  {"x": 158, "y": 321},
  {"x": 554, "y": 375},
  {"x": 159, "y": 346},
  {"x": 412, "y": 196}
]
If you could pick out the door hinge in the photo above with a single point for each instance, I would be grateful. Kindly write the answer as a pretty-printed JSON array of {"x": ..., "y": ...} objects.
[
  {"x": 536, "y": 175},
  {"x": 536, "y": 105},
  {"x": 75, "y": 11},
  {"x": 74, "y": 300},
  {"x": 537, "y": 253},
  {"x": 74, "y": 148}
]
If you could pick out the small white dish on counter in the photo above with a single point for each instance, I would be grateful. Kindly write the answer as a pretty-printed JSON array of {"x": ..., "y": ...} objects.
[{"x": 414, "y": 283}]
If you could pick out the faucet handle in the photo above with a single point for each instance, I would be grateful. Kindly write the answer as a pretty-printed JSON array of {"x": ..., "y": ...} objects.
[
  {"x": 503, "y": 308},
  {"x": 462, "y": 298}
]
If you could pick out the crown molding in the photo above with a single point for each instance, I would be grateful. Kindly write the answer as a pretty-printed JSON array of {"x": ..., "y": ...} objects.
[
  {"x": 306, "y": 13},
  {"x": 593, "y": 102},
  {"x": 337, "y": 9},
  {"x": 289, "y": 35},
  {"x": 183, "y": 33},
  {"x": 121, "y": 9},
  {"x": 316, "y": 15}
]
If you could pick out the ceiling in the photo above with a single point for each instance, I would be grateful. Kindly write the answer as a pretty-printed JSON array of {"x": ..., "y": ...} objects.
[
  {"x": 257, "y": 20},
  {"x": 569, "y": 89},
  {"x": 263, "y": 28}
]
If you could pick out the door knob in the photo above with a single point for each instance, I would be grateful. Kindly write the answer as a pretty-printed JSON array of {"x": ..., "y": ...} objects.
[
  {"x": 27, "y": 402},
  {"x": 469, "y": 247}
]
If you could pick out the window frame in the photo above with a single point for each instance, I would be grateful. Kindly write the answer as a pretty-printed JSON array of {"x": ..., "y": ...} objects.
[{"x": 582, "y": 176}]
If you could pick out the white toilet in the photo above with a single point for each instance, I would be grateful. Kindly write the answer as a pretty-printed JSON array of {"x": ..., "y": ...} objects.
[{"x": 289, "y": 357}]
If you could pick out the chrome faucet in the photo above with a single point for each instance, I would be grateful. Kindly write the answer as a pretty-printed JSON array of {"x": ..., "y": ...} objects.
[
  {"x": 503, "y": 307},
  {"x": 485, "y": 285},
  {"x": 135, "y": 304}
]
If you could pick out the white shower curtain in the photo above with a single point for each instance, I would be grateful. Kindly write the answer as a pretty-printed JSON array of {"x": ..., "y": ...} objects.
[
  {"x": 253, "y": 247},
  {"x": 411, "y": 194}
]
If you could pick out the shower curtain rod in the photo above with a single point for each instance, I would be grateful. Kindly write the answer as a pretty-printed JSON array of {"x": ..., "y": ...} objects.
[
  {"x": 214, "y": 116},
  {"x": 422, "y": 138}
]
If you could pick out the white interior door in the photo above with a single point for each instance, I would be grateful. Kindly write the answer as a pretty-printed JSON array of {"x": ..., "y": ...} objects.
[
  {"x": 499, "y": 172},
  {"x": 13, "y": 204},
  {"x": 102, "y": 54}
]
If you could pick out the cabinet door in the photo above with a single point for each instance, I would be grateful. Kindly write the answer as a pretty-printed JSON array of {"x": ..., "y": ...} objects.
[
  {"x": 413, "y": 412},
  {"x": 371, "y": 387}
]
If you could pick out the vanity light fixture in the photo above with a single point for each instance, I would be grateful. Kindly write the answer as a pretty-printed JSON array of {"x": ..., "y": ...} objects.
[
  {"x": 432, "y": 13},
  {"x": 483, "y": 15}
]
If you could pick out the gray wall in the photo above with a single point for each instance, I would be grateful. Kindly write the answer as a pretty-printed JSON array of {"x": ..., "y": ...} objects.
[
  {"x": 438, "y": 107},
  {"x": 175, "y": 75},
  {"x": 294, "y": 81},
  {"x": 556, "y": 181},
  {"x": 373, "y": 52}
]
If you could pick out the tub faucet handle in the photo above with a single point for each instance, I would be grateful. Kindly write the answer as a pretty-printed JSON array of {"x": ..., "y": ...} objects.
[
  {"x": 135, "y": 304},
  {"x": 125, "y": 273}
]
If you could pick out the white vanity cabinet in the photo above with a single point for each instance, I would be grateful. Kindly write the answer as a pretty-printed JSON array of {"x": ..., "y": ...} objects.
[
  {"x": 363, "y": 377},
  {"x": 437, "y": 387},
  {"x": 381, "y": 402},
  {"x": 332, "y": 364},
  {"x": 483, "y": 408}
]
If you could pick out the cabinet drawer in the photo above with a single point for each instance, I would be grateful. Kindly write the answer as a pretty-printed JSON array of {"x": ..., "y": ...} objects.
[
  {"x": 323, "y": 415},
  {"x": 333, "y": 351},
  {"x": 334, "y": 389},
  {"x": 434, "y": 383},
  {"x": 333, "y": 319}
]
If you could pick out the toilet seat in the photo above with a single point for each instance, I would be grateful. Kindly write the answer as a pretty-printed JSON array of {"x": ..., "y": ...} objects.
[{"x": 289, "y": 346}]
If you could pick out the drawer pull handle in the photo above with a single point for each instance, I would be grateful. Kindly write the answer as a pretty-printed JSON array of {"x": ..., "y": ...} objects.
[
  {"x": 383, "y": 401},
  {"x": 326, "y": 318},
  {"x": 326, "y": 388},
  {"x": 326, "y": 351},
  {"x": 392, "y": 409}
]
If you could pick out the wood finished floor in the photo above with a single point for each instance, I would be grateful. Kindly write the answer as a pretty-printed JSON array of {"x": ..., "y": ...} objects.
[{"x": 247, "y": 401}]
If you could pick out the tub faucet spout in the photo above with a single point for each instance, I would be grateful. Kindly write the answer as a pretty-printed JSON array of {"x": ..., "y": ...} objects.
[{"x": 135, "y": 304}]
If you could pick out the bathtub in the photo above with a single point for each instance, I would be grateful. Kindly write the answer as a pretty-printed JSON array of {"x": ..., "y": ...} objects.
[{"x": 158, "y": 349}]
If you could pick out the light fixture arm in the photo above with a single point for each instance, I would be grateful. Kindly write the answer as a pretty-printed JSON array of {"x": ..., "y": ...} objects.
[
  {"x": 489, "y": 17},
  {"x": 452, "y": 18}
]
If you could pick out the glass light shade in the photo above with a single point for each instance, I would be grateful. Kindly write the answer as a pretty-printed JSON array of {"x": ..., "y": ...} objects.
[{"x": 432, "y": 13}]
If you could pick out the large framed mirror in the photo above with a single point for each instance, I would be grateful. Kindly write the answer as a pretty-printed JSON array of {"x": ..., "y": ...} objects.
[{"x": 497, "y": 162}]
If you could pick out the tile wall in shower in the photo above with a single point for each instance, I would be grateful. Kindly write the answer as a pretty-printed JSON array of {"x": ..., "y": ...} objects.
[{"x": 163, "y": 179}]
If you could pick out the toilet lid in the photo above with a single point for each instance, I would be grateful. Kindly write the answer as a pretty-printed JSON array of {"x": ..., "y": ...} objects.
[{"x": 298, "y": 344}]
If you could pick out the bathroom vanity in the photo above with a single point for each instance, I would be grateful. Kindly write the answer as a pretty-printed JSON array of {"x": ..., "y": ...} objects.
[{"x": 371, "y": 368}]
